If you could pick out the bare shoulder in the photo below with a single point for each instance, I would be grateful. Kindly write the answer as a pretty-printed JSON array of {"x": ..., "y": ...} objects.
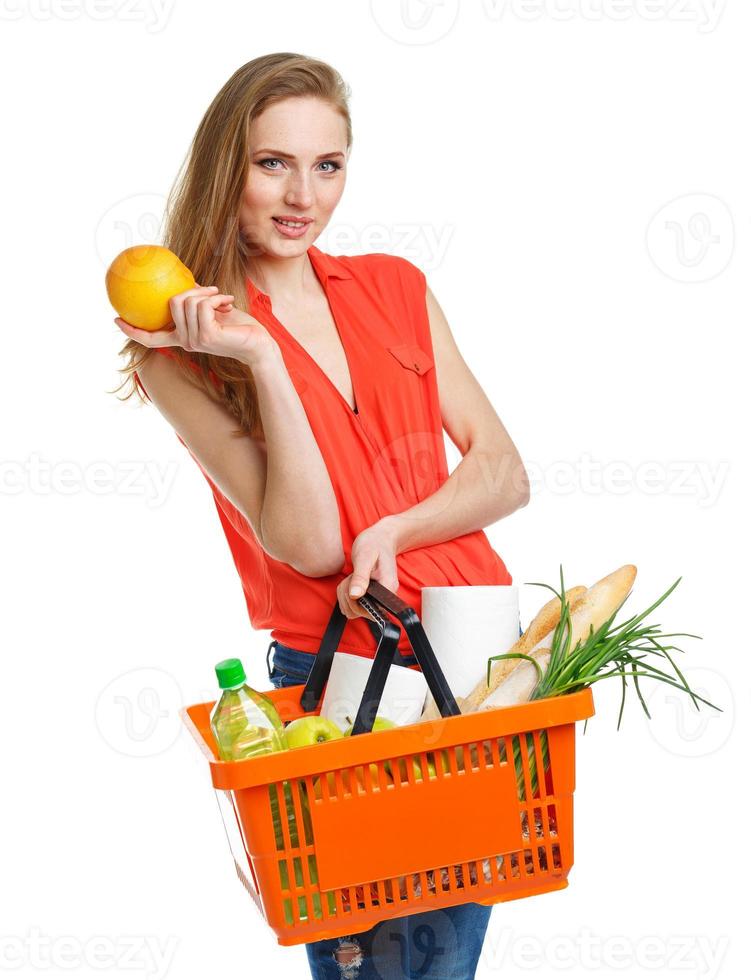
[{"x": 443, "y": 340}]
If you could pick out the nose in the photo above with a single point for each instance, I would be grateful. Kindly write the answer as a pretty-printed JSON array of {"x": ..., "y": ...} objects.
[{"x": 299, "y": 191}]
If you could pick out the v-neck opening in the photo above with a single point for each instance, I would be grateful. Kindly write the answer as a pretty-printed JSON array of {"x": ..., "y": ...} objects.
[{"x": 352, "y": 411}]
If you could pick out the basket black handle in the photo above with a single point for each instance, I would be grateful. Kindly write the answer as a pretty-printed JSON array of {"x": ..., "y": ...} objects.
[{"x": 376, "y": 598}]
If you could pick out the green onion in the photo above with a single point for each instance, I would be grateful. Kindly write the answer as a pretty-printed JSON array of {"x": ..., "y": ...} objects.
[{"x": 610, "y": 651}]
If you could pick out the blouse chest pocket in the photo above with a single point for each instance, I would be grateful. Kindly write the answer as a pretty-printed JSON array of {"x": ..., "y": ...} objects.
[{"x": 413, "y": 357}]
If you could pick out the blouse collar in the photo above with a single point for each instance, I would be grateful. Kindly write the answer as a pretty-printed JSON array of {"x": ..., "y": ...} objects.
[{"x": 326, "y": 267}]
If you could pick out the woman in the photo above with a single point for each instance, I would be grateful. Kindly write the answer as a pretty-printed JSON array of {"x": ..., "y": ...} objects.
[{"x": 313, "y": 392}]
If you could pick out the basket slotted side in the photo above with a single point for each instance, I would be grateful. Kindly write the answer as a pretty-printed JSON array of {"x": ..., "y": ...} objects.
[{"x": 370, "y": 831}]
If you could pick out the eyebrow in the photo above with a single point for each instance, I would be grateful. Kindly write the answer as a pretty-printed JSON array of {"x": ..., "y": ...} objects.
[{"x": 289, "y": 156}]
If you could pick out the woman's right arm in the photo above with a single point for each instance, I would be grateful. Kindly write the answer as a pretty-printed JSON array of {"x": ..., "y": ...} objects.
[{"x": 281, "y": 485}]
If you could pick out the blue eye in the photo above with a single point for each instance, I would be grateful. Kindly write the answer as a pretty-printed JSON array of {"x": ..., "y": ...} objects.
[{"x": 331, "y": 163}]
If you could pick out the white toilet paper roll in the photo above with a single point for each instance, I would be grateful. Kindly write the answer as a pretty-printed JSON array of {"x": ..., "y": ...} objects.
[
  {"x": 466, "y": 624},
  {"x": 403, "y": 696}
]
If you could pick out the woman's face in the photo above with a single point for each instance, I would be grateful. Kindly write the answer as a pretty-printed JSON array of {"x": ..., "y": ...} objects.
[{"x": 297, "y": 169}]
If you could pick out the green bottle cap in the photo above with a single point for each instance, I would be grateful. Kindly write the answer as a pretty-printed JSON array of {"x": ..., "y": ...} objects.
[{"x": 230, "y": 673}]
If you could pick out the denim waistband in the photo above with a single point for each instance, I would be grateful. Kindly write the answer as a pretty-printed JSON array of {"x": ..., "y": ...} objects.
[{"x": 280, "y": 649}]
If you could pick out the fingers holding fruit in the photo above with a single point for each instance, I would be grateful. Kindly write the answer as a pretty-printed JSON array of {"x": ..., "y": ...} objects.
[
  {"x": 147, "y": 338},
  {"x": 190, "y": 310},
  {"x": 195, "y": 316},
  {"x": 160, "y": 305}
]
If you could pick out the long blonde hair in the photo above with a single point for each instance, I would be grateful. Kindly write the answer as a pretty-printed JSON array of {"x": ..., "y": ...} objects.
[{"x": 202, "y": 211}]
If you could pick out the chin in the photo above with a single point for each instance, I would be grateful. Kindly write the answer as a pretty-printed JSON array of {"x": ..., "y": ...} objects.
[{"x": 289, "y": 246}]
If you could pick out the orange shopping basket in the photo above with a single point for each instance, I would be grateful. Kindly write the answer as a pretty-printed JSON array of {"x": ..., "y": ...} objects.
[{"x": 331, "y": 838}]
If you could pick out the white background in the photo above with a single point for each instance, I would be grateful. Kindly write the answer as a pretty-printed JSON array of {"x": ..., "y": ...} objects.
[{"x": 572, "y": 177}]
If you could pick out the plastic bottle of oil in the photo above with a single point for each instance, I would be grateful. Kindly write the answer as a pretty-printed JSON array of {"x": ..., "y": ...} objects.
[{"x": 244, "y": 722}]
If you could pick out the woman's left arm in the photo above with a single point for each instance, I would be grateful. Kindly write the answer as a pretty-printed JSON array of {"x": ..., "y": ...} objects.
[{"x": 489, "y": 483}]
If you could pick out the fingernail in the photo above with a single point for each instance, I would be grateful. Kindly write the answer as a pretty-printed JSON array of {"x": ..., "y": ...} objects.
[{"x": 355, "y": 590}]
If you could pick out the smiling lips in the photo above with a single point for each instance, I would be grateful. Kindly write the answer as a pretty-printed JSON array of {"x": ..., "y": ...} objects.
[
  {"x": 291, "y": 227},
  {"x": 292, "y": 222}
]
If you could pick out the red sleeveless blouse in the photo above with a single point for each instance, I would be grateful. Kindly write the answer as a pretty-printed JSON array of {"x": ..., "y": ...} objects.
[{"x": 382, "y": 459}]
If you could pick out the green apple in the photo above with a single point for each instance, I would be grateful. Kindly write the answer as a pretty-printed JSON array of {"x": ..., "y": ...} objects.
[
  {"x": 416, "y": 769},
  {"x": 379, "y": 724},
  {"x": 309, "y": 730},
  {"x": 382, "y": 723}
]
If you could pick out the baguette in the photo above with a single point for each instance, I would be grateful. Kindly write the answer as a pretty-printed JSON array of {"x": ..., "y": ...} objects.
[
  {"x": 595, "y": 607},
  {"x": 519, "y": 685},
  {"x": 539, "y": 630}
]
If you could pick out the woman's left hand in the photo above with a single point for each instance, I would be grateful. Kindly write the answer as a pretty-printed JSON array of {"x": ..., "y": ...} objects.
[{"x": 373, "y": 556}]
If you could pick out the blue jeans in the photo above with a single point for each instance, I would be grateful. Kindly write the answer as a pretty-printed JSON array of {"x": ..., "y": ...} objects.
[{"x": 439, "y": 943}]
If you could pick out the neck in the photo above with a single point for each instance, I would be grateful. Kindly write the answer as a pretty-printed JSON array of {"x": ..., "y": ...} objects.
[{"x": 282, "y": 279}]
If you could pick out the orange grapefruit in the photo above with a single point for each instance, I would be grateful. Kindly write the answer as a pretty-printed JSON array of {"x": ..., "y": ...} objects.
[{"x": 141, "y": 281}]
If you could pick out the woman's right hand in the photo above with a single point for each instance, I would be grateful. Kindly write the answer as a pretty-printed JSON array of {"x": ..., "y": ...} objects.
[{"x": 206, "y": 321}]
